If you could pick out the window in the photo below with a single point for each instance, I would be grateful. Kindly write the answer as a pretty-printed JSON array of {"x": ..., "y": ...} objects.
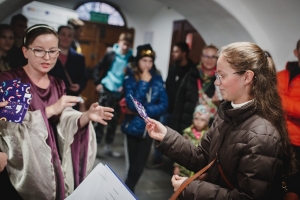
[{"x": 100, "y": 12}]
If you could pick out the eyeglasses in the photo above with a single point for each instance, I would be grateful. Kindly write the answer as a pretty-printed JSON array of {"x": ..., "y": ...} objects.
[
  {"x": 210, "y": 57},
  {"x": 218, "y": 76},
  {"x": 41, "y": 52}
]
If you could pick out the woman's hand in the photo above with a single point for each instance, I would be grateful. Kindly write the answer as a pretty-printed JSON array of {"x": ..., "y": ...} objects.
[
  {"x": 146, "y": 76},
  {"x": 3, "y": 104},
  {"x": 61, "y": 104},
  {"x": 74, "y": 87},
  {"x": 96, "y": 113},
  {"x": 99, "y": 87},
  {"x": 3, "y": 161},
  {"x": 177, "y": 181},
  {"x": 155, "y": 129}
]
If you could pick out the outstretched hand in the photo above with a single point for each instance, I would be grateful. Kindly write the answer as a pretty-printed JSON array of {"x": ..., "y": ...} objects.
[
  {"x": 99, "y": 113},
  {"x": 155, "y": 129},
  {"x": 61, "y": 104},
  {"x": 96, "y": 113}
]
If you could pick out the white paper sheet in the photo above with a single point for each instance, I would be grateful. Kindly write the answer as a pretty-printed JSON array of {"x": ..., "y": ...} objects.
[{"x": 102, "y": 183}]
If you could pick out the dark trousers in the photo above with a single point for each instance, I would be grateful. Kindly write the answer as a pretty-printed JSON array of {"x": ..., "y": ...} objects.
[
  {"x": 138, "y": 150},
  {"x": 108, "y": 99}
]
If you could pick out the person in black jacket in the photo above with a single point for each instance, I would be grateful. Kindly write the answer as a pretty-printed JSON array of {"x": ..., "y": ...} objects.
[
  {"x": 187, "y": 97},
  {"x": 180, "y": 67},
  {"x": 70, "y": 65},
  {"x": 78, "y": 26},
  {"x": 6, "y": 43},
  {"x": 108, "y": 76},
  {"x": 19, "y": 24}
]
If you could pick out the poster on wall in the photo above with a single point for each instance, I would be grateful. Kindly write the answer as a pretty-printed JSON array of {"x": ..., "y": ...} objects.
[{"x": 42, "y": 13}]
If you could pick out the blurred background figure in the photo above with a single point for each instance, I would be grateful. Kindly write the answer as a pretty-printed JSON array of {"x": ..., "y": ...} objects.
[
  {"x": 145, "y": 84},
  {"x": 6, "y": 43},
  {"x": 70, "y": 65},
  {"x": 78, "y": 32},
  {"x": 289, "y": 90},
  {"x": 181, "y": 64},
  {"x": 194, "y": 133},
  {"x": 18, "y": 24},
  {"x": 196, "y": 88},
  {"x": 108, "y": 76}
]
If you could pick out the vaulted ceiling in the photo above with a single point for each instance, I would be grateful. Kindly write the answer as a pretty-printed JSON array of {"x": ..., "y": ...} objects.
[{"x": 273, "y": 24}]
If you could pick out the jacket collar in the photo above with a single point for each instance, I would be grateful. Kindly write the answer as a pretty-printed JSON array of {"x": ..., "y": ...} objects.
[{"x": 238, "y": 115}]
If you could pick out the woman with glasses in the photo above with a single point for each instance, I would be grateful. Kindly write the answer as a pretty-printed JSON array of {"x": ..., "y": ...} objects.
[
  {"x": 70, "y": 65},
  {"x": 54, "y": 148},
  {"x": 6, "y": 43},
  {"x": 248, "y": 137},
  {"x": 196, "y": 88}
]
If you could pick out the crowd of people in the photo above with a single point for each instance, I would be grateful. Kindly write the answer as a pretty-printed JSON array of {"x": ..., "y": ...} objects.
[{"x": 230, "y": 107}]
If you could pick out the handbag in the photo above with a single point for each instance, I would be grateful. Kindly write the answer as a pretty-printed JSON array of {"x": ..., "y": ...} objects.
[
  {"x": 123, "y": 105},
  {"x": 124, "y": 108}
]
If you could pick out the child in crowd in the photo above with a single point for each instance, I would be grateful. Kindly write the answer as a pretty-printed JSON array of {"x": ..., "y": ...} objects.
[{"x": 194, "y": 133}]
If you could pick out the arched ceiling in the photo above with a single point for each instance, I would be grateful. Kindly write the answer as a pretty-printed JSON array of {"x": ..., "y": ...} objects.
[{"x": 273, "y": 24}]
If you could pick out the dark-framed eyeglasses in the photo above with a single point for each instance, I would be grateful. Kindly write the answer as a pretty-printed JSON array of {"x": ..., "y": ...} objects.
[
  {"x": 41, "y": 52},
  {"x": 218, "y": 76}
]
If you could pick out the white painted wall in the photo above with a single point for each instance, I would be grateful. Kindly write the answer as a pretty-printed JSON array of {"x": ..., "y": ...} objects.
[
  {"x": 273, "y": 24},
  {"x": 7, "y": 20},
  {"x": 161, "y": 26}
]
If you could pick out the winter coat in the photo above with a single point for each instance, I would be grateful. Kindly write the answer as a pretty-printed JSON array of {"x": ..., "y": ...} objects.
[
  {"x": 75, "y": 67},
  {"x": 289, "y": 91},
  {"x": 101, "y": 69},
  {"x": 155, "y": 104},
  {"x": 250, "y": 153},
  {"x": 187, "y": 99},
  {"x": 175, "y": 76}
]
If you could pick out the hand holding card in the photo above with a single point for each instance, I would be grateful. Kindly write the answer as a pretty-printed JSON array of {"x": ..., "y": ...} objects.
[{"x": 140, "y": 108}]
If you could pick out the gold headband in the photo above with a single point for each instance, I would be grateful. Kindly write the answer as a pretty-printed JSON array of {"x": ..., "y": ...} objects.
[
  {"x": 147, "y": 53},
  {"x": 39, "y": 26}
]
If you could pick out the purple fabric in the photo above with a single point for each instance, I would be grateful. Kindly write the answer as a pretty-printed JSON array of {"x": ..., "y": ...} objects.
[
  {"x": 79, "y": 155},
  {"x": 41, "y": 98}
]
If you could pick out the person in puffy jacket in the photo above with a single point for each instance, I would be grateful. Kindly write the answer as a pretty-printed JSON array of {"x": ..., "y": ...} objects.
[
  {"x": 145, "y": 84},
  {"x": 248, "y": 136},
  {"x": 289, "y": 90}
]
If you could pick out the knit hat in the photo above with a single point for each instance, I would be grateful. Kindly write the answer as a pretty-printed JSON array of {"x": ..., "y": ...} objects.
[
  {"x": 203, "y": 111},
  {"x": 143, "y": 51}
]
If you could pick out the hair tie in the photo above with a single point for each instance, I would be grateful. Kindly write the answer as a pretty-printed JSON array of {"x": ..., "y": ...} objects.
[{"x": 266, "y": 54}]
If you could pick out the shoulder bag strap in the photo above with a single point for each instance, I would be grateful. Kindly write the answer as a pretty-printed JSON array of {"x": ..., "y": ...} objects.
[
  {"x": 189, "y": 180},
  {"x": 230, "y": 186}
]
